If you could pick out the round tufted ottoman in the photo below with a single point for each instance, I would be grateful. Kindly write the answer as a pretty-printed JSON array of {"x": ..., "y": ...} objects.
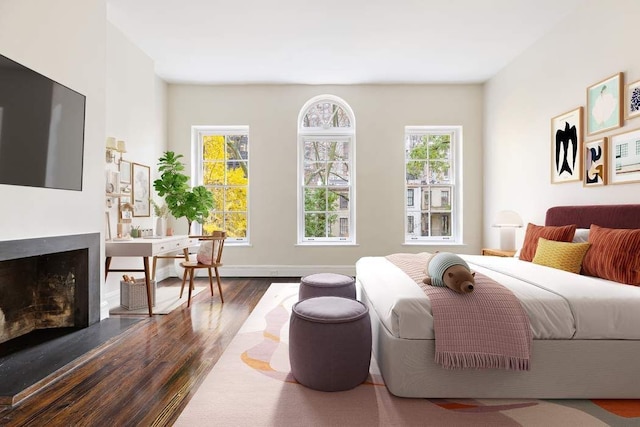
[
  {"x": 330, "y": 343},
  {"x": 327, "y": 284}
]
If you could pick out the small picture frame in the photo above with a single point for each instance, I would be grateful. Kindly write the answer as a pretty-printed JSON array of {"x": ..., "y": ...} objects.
[
  {"x": 624, "y": 157},
  {"x": 604, "y": 105},
  {"x": 141, "y": 180},
  {"x": 125, "y": 172},
  {"x": 566, "y": 140},
  {"x": 595, "y": 163},
  {"x": 632, "y": 100}
]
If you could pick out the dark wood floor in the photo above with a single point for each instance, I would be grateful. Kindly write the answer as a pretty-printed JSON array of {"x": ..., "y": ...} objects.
[{"x": 147, "y": 376}]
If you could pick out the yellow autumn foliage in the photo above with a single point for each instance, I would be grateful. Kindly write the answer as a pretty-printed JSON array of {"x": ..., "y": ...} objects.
[{"x": 224, "y": 175}]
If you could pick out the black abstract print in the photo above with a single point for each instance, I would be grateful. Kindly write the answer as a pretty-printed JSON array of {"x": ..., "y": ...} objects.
[{"x": 566, "y": 145}]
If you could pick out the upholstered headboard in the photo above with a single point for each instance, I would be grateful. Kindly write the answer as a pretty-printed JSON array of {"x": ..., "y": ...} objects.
[{"x": 610, "y": 216}]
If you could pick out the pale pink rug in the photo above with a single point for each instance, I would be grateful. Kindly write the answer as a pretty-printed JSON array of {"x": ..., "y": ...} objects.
[{"x": 251, "y": 386}]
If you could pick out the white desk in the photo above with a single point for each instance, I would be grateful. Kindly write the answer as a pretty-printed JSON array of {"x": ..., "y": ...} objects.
[{"x": 146, "y": 248}]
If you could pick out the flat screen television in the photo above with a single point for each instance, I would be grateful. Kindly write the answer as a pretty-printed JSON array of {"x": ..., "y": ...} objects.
[{"x": 41, "y": 130}]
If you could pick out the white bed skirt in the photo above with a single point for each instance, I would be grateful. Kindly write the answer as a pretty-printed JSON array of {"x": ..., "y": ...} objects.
[{"x": 560, "y": 369}]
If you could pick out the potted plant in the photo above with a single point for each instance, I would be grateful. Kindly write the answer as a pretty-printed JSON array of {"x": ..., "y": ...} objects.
[{"x": 182, "y": 201}]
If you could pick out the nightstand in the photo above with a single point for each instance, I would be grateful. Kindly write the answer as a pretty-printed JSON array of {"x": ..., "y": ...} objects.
[{"x": 497, "y": 252}]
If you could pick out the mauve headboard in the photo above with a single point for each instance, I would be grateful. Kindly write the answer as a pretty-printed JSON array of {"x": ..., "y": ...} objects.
[{"x": 610, "y": 216}]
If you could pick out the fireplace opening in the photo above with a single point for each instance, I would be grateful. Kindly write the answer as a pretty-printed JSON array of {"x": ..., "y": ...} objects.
[
  {"x": 42, "y": 292},
  {"x": 49, "y": 309}
]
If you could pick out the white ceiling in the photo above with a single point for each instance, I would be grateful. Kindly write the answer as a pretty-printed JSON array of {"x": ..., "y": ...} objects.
[{"x": 334, "y": 41}]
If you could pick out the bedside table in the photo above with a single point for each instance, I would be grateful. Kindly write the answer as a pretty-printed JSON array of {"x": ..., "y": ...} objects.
[{"x": 497, "y": 252}]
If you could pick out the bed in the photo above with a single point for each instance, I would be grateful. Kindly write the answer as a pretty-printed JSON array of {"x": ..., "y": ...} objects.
[{"x": 585, "y": 345}]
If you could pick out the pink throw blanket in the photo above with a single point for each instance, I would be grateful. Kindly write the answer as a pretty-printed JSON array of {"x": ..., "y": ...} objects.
[{"x": 487, "y": 328}]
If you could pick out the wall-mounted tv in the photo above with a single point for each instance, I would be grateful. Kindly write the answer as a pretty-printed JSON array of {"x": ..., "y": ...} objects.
[{"x": 41, "y": 130}]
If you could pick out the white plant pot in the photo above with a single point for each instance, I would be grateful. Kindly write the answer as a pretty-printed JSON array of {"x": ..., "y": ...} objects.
[{"x": 161, "y": 226}]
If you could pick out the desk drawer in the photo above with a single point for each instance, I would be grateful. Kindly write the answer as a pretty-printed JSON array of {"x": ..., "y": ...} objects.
[{"x": 177, "y": 245}]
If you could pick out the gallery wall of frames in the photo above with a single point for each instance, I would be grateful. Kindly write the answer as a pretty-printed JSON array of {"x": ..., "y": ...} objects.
[{"x": 597, "y": 159}]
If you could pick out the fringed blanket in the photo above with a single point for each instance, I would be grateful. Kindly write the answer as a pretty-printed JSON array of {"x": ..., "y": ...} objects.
[{"x": 487, "y": 328}]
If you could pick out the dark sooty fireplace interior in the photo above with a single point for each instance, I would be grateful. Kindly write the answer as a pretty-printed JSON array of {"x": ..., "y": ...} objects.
[{"x": 47, "y": 283}]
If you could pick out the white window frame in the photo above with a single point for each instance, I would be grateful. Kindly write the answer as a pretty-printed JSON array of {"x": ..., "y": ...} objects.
[
  {"x": 455, "y": 175},
  {"x": 197, "y": 134},
  {"x": 347, "y": 134}
]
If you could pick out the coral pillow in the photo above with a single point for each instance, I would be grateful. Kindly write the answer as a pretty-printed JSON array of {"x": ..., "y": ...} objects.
[
  {"x": 561, "y": 255},
  {"x": 534, "y": 232},
  {"x": 614, "y": 255}
]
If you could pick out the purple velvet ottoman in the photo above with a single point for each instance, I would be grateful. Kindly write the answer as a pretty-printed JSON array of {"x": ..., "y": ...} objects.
[
  {"x": 327, "y": 285},
  {"x": 330, "y": 343}
]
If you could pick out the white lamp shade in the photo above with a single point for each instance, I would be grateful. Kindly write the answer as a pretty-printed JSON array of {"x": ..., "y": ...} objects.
[
  {"x": 111, "y": 143},
  {"x": 509, "y": 219}
]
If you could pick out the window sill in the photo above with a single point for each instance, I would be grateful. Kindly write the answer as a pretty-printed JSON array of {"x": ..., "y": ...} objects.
[
  {"x": 425, "y": 243},
  {"x": 228, "y": 244},
  {"x": 316, "y": 244}
]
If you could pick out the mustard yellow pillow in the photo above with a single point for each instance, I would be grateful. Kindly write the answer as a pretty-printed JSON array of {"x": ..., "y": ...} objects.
[{"x": 561, "y": 255}]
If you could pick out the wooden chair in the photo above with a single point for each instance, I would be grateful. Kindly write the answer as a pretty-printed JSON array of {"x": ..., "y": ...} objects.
[{"x": 214, "y": 253}]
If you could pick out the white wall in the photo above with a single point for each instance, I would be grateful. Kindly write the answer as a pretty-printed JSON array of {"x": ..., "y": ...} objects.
[
  {"x": 135, "y": 113},
  {"x": 547, "y": 80},
  {"x": 381, "y": 114},
  {"x": 65, "y": 41}
]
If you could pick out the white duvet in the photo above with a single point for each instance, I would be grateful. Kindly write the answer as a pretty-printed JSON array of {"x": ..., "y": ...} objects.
[{"x": 560, "y": 305}]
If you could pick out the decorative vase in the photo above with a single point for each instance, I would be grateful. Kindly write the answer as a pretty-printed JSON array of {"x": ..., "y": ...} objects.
[
  {"x": 161, "y": 226},
  {"x": 169, "y": 231}
]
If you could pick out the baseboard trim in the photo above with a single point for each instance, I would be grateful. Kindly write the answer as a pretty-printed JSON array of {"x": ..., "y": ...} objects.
[
  {"x": 275, "y": 270},
  {"x": 284, "y": 270}
]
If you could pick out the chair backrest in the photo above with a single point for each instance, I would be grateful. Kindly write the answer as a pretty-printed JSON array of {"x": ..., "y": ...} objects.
[{"x": 211, "y": 247}]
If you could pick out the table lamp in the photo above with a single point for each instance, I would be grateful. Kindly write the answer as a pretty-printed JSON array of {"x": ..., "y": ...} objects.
[{"x": 507, "y": 222}]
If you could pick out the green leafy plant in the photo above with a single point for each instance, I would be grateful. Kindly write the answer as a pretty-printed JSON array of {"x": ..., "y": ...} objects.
[{"x": 182, "y": 201}]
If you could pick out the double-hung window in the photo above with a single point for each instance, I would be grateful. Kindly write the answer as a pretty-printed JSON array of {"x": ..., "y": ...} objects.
[
  {"x": 221, "y": 164},
  {"x": 326, "y": 174},
  {"x": 432, "y": 184}
]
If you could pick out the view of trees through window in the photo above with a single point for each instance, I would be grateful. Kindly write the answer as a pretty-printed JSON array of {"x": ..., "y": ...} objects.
[
  {"x": 225, "y": 173},
  {"x": 326, "y": 136},
  {"x": 429, "y": 184},
  {"x": 326, "y": 192}
]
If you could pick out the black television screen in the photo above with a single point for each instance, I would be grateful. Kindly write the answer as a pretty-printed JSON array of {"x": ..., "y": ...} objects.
[{"x": 41, "y": 130}]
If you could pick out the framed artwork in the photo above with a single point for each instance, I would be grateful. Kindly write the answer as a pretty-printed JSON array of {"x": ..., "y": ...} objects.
[
  {"x": 141, "y": 176},
  {"x": 566, "y": 140},
  {"x": 632, "y": 103},
  {"x": 624, "y": 157},
  {"x": 125, "y": 172},
  {"x": 595, "y": 163},
  {"x": 604, "y": 105}
]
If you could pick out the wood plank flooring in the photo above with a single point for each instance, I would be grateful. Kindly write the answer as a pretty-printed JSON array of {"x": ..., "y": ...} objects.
[{"x": 149, "y": 374}]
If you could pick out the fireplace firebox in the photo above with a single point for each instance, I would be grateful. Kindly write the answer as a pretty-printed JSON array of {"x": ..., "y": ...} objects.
[{"x": 49, "y": 282}]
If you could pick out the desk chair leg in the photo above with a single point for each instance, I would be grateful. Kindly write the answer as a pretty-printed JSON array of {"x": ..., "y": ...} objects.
[
  {"x": 191, "y": 274},
  {"x": 184, "y": 280},
  {"x": 210, "y": 280},
  {"x": 219, "y": 286}
]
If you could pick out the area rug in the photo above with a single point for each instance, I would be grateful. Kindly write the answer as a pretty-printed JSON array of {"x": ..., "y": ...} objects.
[
  {"x": 251, "y": 386},
  {"x": 167, "y": 299}
]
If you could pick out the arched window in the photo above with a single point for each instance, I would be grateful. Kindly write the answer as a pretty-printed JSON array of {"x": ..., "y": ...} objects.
[{"x": 326, "y": 172}]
